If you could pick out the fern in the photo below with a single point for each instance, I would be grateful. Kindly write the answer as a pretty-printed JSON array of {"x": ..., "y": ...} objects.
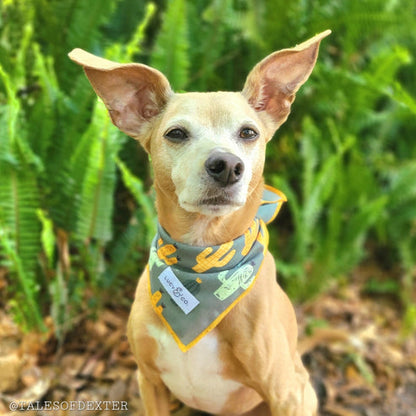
[
  {"x": 83, "y": 21},
  {"x": 170, "y": 53},
  {"x": 128, "y": 252},
  {"x": 19, "y": 235},
  {"x": 47, "y": 237},
  {"x": 18, "y": 192},
  {"x": 45, "y": 107},
  {"x": 126, "y": 53},
  {"x": 19, "y": 195},
  {"x": 25, "y": 297},
  {"x": 86, "y": 20},
  {"x": 96, "y": 197},
  {"x": 334, "y": 215},
  {"x": 10, "y": 113},
  {"x": 19, "y": 200},
  {"x": 347, "y": 174},
  {"x": 135, "y": 186}
]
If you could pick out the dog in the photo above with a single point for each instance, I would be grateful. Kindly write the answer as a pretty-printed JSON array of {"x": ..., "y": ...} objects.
[{"x": 209, "y": 323}]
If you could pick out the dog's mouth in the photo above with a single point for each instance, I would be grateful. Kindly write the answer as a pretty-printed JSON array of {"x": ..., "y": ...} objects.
[
  {"x": 214, "y": 200},
  {"x": 219, "y": 200},
  {"x": 218, "y": 204},
  {"x": 213, "y": 205}
]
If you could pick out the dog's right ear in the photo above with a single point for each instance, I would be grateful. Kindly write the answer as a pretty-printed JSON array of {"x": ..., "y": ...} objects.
[{"x": 133, "y": 93}]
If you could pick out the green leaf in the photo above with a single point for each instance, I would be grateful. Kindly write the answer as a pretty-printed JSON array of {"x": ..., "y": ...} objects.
[
  {"x": 19, "y": 200},
  {"x": 95, "y": 208},
  {"x": 135, "y": 186},
  {"x": 170, "y": 53},
  {"x": 47, "y": 237},
  {"x": 27, "y": 289},
  {"x": 126, "y": 53}
]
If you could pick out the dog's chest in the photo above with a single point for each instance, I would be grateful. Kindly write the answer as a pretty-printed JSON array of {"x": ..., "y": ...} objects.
[{"x": 196, "y": 376}]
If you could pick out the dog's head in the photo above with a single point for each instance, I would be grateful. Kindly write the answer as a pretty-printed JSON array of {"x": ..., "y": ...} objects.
[{"x": 207, "y": 149}]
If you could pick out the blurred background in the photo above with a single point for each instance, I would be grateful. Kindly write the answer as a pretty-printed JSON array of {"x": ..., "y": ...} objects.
[{"x": 76, "y": 204}]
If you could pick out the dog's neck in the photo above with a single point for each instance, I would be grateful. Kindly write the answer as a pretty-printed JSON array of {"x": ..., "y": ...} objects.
[{"x": 199, "y": 230}]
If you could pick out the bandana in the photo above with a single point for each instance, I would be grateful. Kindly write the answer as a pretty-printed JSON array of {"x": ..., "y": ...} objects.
[{"x": 193, "y": 288}]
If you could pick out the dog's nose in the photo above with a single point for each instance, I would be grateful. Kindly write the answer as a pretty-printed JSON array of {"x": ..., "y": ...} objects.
[{"x": 225, "y": 168}]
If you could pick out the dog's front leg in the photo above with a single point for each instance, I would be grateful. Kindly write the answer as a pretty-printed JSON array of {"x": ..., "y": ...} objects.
[
  {"x": 155, "y": 398},
  {"x": 290, "y": 393},
  {"x": 269, "y": 363},
  {"x": 309, "y": 398}
]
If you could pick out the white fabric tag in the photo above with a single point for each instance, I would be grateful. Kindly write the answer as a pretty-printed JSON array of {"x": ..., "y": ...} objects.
[{"x": 177, "y": 291}]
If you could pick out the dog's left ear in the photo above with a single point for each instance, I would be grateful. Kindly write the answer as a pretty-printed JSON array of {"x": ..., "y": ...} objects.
[
  {"x": 133, "y": 93},
  {"x": 271, "y": 86}
]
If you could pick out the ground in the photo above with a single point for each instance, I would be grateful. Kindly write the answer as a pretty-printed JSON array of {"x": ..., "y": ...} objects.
[{"x": 360, "y": 359}]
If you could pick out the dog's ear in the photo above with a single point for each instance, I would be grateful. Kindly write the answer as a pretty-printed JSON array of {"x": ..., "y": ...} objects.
[
  {"x": 271, "y": 86},
  {"x": 133, "y": 93}
]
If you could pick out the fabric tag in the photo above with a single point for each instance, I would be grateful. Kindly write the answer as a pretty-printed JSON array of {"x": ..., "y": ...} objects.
[{"x": 177, "y": 291}]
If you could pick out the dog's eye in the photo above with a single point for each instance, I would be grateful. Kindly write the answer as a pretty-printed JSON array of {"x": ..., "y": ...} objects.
[
  {"x": 176, "y": 135},
  {"x": 248, "y": 133}
]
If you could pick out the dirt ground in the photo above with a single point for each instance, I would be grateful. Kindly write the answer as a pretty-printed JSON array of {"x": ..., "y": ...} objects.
[{"x": 352, "y": 343}]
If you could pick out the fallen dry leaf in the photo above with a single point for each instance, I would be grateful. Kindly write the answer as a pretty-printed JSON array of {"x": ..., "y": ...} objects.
[{"x": 10, "y": 368}]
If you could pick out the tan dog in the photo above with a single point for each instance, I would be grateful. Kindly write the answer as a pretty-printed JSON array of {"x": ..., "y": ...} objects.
[{"x": 208, "y": 152}]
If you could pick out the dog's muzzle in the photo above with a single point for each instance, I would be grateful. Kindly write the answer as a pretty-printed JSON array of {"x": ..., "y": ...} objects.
[{"x": 225, "y": 168}]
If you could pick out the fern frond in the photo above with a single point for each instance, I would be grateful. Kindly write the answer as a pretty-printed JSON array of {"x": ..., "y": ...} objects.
[
  {"x": 402, "y": 184},
  {"x": 19, "y": 195},
  {"x": 42, "y": 116},
  {"x": 318, "y": 181},
  {"x": 133, "y": 47},
  {"x": 86, "y": 19},
  {"x": 135, "y": 186},
  {"x": 19, "y": 200},
  {"x": 47, "y": 237},
  {"x": 403, "y": 97},
  {"x": 125, "y": 254},
  {"x": 26, "y": 297},
  {"x": 170, "y": 53},
  {"x": 10, "y": 114},
  {"x": 83, "y": 22},
  {"x": 96, "y": 198},
  {"x": 19, "y": 236},
  {"x": 358, "y": 226}
]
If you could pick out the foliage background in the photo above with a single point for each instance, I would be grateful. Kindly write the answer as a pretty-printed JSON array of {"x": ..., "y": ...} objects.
[{"x": 76, "y": 210}]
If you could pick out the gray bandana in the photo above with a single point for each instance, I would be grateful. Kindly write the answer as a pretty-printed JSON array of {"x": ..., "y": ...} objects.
[{"x": 193, "y": 288}]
